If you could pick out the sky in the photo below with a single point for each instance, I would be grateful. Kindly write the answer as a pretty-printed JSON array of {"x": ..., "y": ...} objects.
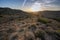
[{"x": 31, "y": 4}]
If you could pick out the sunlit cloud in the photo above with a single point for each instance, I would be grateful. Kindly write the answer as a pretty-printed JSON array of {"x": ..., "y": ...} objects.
[
  {"x": 41, "y": 4},
  {"x": 36, "y": 6},
  {"x": 47, "y": 3},
  {"x": 44, "y": 1}
]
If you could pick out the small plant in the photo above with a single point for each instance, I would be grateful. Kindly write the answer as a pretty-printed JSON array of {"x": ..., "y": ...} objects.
[
  {"x": 57, "y": 19},
  {"x": 10, "y": 30},
  {"x": 40, "y": 34},
  {"x": 1, "y": 16},
  {"x": 14, "y": 37},
  {"x": 43, "y": 20},
  {"x": 58, "y": 31},
  {"x": 21, "y": 30},
  {"x": 32, "y": 28}
]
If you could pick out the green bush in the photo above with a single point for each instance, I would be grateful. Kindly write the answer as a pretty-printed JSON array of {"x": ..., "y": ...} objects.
[
  {"x": 43, "y": 20},
  {"x": 57, "y": 19},
  {"x": 40, "y": 34},
  {"x": 57, "y": 31}
]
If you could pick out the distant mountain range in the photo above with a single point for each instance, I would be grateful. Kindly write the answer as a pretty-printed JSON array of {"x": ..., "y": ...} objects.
[
  {"x": 51, "y": 14},
  {"x": 9, "y": 11},
  {"x": 47, "y": 14},
  {"x": 8, "y": 14}
]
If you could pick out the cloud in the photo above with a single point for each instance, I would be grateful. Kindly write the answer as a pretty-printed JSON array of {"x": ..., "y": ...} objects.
[
  {"x": 49, "y": 5},
  {"x": 45, "y": 1},
  {"x": 36, "y": 6},
  {"x": 32, "y": 0},
  {"x": 49, "y": 1},
  {"x": 24, "y": 3}
]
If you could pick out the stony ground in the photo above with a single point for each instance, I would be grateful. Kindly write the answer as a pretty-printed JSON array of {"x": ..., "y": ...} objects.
[{"x": 29, "y": 29}]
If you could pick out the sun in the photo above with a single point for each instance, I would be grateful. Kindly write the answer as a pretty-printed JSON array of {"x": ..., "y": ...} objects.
[{"x": 36, "y": 7}]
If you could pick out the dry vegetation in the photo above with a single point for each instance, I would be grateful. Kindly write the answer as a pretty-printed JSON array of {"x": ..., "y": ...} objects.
[{"x": 28, "y": 28}]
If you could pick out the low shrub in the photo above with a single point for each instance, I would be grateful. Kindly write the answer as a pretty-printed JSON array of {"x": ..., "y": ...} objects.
[{"x": 43, "y": 20}]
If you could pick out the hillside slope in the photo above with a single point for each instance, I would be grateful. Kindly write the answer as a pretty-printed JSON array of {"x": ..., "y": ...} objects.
[
  {"x": 19, "y": 25},
  {"x": 7, "y": 14}
]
